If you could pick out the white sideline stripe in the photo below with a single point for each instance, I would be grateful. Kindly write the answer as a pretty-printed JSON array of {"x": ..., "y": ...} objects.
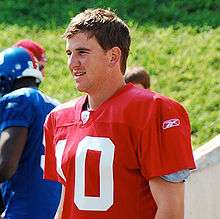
[
  {"x": 208, "y": 154},
  {"x": 208, "y": 147}
]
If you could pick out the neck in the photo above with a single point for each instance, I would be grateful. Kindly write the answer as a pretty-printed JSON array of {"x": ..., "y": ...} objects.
[{"x": 96, "y": 99}]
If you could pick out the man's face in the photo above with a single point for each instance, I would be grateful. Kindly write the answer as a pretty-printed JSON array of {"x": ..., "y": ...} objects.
[{"x": 88, "y": 62}]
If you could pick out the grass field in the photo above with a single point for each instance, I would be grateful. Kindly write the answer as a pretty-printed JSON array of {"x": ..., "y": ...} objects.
[{"x": 178, "y": 42}]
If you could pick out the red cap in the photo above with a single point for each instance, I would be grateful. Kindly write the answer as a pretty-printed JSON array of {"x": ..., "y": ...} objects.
[{"x": 36, "y": 49}]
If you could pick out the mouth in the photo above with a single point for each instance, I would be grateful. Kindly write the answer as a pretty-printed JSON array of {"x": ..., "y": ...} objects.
[{"x": 79, "y": 73}]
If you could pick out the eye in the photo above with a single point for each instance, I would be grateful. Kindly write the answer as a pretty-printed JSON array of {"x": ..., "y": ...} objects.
[{"x": 82, "y": 52}]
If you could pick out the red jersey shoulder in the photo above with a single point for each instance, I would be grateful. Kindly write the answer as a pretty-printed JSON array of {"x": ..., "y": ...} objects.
[
  {"x": 137, "y": 94},
  {"x": 65, "y": 113},
  {"x": 141, "y": 105},
  {"x": 130, "y": 106},
  {"x": 170, "y": 113},
  {"x": 169, "y": 106},
  {"x": 151, "y": 98},
  {"x": 156, "y": 100}
]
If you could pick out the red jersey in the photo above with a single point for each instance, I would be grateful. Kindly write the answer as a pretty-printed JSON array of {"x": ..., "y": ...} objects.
[{"x": 106, "y": 163}]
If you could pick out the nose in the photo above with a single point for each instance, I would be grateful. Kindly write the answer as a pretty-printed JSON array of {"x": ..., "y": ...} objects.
[{"x": 73, "y": 62}]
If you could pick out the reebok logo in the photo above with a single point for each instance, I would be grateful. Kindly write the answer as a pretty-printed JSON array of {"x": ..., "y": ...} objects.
[{"x": 171, "y": 123}]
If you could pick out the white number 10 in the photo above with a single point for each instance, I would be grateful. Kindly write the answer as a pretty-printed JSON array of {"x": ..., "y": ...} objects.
[{"x": 105, "y": 200}]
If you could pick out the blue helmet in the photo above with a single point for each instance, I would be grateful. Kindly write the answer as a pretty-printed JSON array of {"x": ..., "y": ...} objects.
[{"x": 16, "y": 63}]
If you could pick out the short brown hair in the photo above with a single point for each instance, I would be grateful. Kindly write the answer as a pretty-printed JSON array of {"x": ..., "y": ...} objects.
[
  {"x": 138, "y": 75},
  {"x": 108, "y": 29}
]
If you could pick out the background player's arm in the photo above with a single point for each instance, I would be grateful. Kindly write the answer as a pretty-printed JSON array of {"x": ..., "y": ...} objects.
[
  {"x": 60, "y": 207},
  {"x": 12, "y": 142},
  {"x": 169, "y": 198}
]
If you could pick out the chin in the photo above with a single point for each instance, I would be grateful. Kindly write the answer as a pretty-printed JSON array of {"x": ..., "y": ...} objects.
[{"x": 81, "y": 88}]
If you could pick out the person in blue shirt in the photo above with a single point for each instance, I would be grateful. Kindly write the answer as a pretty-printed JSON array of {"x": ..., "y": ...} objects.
[{"x": 23, "y": 109}]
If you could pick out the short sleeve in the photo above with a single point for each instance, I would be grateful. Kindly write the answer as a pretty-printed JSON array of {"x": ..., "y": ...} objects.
[
  {"x": 16, "y": 111},
  {"x": 50, "y": 168},
  {"x": 165, "y": 145}
]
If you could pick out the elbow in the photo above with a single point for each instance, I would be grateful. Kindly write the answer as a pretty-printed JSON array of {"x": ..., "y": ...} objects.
[{"x": 6, "y": 171}]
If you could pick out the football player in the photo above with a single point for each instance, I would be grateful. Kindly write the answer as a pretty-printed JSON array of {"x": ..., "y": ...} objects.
[
  {"x": 36, "y": 49},
  {"x": 23, "y": 109},
  {"x": 119, "y": 151}
]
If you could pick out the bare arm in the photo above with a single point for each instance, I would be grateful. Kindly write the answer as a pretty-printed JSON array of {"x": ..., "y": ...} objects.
[
  {"x": 12, "y": 142},
  {"x": 169, "y": 198},
  {"x": 60, "y": 207}
]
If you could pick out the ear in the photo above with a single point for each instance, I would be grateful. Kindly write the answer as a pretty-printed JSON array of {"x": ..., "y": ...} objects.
[{"x": 114, "y": 56}]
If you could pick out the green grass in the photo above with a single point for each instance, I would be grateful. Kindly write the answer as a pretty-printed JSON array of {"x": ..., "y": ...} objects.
[
  {"x": 178, "y": 42},
  {"x": 184, "y": 65}
]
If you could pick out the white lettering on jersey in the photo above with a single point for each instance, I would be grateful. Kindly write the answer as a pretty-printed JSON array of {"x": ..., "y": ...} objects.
[
  {"x": 105, "y": 201},
  {"x": 59, "y": 154}
]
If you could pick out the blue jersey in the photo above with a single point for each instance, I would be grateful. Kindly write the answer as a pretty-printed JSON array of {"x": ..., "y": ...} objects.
[{"x": 27, "y": 194}]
